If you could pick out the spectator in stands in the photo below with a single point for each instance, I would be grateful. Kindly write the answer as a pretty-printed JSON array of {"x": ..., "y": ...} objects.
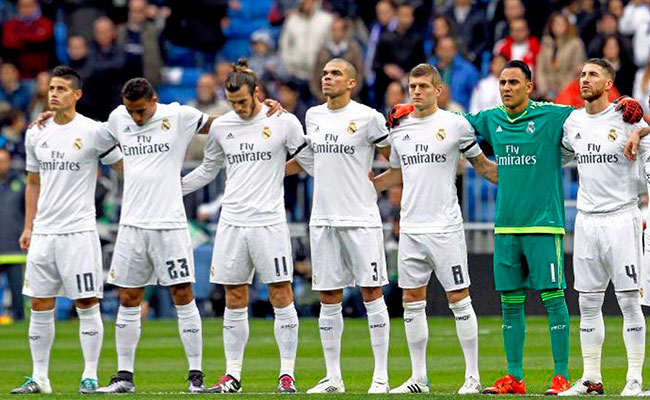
[
  {"x": 458, "y": 73},
  {"x": 486, "y": 93},
  {"x": 615, "y": 7},
  {"x": 570, "y": 94},
  {"x": 12, "y": 215},
  {"x": 38, "y": 102},
  {"x": 398, "y": 51},
  {"x": 395, "y": 94},
  {"x": 339, "y": 45},
  {"x": 140, "y": 38},
  {"x": 107, "y": 64},
  {"x": 519, "y": 45},
  {"x": 513, "y": 9},
  {"x": 303, "y": 34},
  {"x": 289, "y": 97},
  {"x": 641, "y": 90},
  {"x": 446, "y": 102},
  {"x": 79, "y": 15},
  {"x": 635, "y": 21},
  {"x": 78, "y": 54},
  {"x": 12, "y": 132},
  {"x": 221, "y": 70},
  {"x": 11, "y": 90},
  {"x": 441, "y": 28},
  {"x": 586, "y": 20},
  {"x": 28, "y": 39},
  {"x": 471, "y": 30},
  {"x": 561, "y": 51},
  {"x": 607, "y": 26},
  {"x": 625, "y": 68},
  {"x": 385, "y": 22},
  {"x": 264, "y": 60}
]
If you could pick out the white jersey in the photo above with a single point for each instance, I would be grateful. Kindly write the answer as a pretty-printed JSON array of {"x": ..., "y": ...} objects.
[
  {"x": 65, "y": 157},
  {"x": 153, "y": 159},
  {"x": 343, "y": 142},
  {"x": 254, "y": 153},
  {"x": 427, "y": 150},
  {"x": 608, "y": 181}
]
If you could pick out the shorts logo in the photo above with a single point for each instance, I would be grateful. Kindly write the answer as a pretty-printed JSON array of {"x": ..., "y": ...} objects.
[
  {"x": 531, "y": 127},
  {"x": 26, "y": 283},
  {"x": 212, "y": 271},
  {"x": 641, "y": 292},
  {"x": 352, "y": 128},
  {"x": 266, "y": 132},
  {"x": 111, "y": 273},
  {"x": 77, "y": 144},
  {"x": 611, "y": 136},
  {"x": 441, "y": 135},
  {"x": 165, "y": 124}
]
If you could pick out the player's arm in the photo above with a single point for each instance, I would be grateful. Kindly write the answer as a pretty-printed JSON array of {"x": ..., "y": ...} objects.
[
  {"x": 118, "y": 167},
  {"x": 484, "y": 167},
  {"x": 32, "y": 190},
  {"x": 292, "y": 167},
  {"x": 389, "y": 178},
  {"x": 213, "y": 160},
  {"x": 632, "y": 143},
  {"x": 206, "y": 127},
  {"x": 298, "y": 146},
  {"x": 384, "y": 151}
]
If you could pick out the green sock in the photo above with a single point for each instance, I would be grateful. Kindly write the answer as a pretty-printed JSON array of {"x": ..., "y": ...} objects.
[
  {"x": 559, "y": 324},
  {"x": 514, "y": 330}
]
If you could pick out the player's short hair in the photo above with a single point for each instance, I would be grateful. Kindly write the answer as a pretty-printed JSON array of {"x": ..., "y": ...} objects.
[
  {"x": 425, "y": 69},
  {"x": 241, "y": 75},
  {"x": 137, "y": 88},
  {"x": 69, "y": 74},
  {"x": 521, "y": 66},
  {"x": 351, "y": 69},
  {"x": 604, "y": 64}
]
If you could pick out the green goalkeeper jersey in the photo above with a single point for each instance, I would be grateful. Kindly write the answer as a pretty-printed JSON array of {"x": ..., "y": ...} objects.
[{"x": 530, "y": 196}]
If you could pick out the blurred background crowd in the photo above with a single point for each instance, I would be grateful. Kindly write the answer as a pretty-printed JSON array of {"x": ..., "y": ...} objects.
[{"x": 185, "y": 49}]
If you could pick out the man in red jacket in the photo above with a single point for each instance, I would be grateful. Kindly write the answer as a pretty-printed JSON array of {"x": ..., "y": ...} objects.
[
  {"x": 28, "y": 38},
  {"x": 519, "y": 45}
]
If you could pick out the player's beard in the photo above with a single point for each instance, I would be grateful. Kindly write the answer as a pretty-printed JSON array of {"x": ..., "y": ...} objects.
[{"x": 594, "y": 95}]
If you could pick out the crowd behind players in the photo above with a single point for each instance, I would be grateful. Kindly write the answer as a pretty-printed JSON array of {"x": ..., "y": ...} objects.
[{"x": 468, "y": 41}]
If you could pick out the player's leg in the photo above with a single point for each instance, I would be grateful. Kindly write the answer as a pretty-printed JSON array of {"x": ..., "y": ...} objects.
[
  {"x": 286, "y": 333},
  {"x": 363, "y": 253},
  {"x": 190, "y": 331},
  {"x": 510, "y": 279},
  {"x": 42, "y": 283},
  {"x": 545, "y": 257},
  {"x": 329, "y": 277},
  {"x": 91, "y": 337}
]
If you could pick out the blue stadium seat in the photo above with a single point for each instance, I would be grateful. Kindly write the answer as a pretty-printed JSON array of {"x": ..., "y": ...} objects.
[
  {"x": 171, "y": 93},
  {"x": 61, "y": 42}
]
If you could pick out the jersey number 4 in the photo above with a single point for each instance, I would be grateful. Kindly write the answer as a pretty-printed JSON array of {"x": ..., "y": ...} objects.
[
  {"x": 631, "y": 272},
  {"x": 181, "y": 263}
]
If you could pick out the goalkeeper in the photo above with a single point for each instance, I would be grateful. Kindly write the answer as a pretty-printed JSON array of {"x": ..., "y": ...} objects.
[{"x": 529, "y": 224}]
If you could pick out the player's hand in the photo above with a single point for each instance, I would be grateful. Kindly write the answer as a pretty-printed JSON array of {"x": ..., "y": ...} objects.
[
  {"x": 632, "y": 145},
  {"x": 42, "y": 117},
  {"x": 398, "y": 111},
  {"x": 25, "y": 239},
  {"x": 274, "y": 107},
  {"x": 630, "y": 108}
]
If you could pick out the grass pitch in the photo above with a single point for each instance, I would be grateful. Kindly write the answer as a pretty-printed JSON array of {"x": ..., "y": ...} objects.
[{"x": 161, "y": 366}]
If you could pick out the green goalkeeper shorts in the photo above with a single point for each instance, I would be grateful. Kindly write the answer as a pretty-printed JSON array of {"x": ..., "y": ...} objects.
[{"x": 528, "y": 261}]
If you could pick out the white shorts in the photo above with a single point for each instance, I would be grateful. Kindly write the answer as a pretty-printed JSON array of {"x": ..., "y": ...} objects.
[
  {"x": 645, "y": 270},
  {"x": 442, "y": 253},
  {"x": 241, "y": 251},
  {"x": 64, "y": 265},
  {"x": 608, "y": 247},
  {"x": 343, "y": 257},
  {"x": 151, "y": 256}
]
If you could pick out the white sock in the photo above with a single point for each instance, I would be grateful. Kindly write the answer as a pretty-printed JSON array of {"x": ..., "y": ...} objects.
[
  {"x": 91, "y": 336},
  {"x": 330, "y": 324},
  {"x": 633, "y": 332},
  {"x": 379, "y": 325},
  {"x": 417, "y": 335},
  {"x": 189, "y": 327},
  {"x": 41, "y": 337},
  {"x": 467, "y": 331},
  {"x": 235, "y": 337},
  {"x": 592, "y": 334},
  {"x": 128, "y": 326},
  {"x": 286, "y": 335}
]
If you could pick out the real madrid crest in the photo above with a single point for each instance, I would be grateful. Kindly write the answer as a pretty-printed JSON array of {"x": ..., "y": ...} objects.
[
  {"x": 352, "y": 128},
  {"x": 77, "y": 144},
  {"x": 611, "y": 136},
  {"x": 266, "y": 132},
  {"x": 531, "y": 127},
  {"x": 441, "y": 134},
  {"x": 165, "y": 124}
]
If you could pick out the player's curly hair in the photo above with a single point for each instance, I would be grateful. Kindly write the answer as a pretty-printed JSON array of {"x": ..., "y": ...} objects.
[{"x": 241, "y": 75}]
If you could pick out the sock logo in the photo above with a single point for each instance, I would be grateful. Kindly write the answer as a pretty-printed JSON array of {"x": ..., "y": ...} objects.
[
  {"x": 89, "y": 333},
  {"x": 635, "y": 329},
  {"x": 558, "y": 327},
  {"x": 506, "y": 327},
  {"x": 34, "y": 337},
  {"x": 228, "y": 327},
  {"x": 408, "y": 320},
  {"x": 120, "y": 326},
  {"x": 587, "y": 330},
  {"x": 288, "y": 326},
  {"x": 462, "y": 317},
  {"x": 326, "y": 328},
  {"x": 381, "y": 325},
  {"x": 191, "y": 330}
]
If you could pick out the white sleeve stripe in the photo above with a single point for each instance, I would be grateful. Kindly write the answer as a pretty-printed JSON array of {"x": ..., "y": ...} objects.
[
  {"x": 380, "y": 139},
  {"x": 468, "y": 147},
  {"x": 299, "y": 149}
]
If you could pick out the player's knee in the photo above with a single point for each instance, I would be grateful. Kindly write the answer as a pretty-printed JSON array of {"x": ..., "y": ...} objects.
[
  {"x": 413, "y": 295},
  {"x": 628, "y": 302},
  {"x": 371, "y": 293},
  {"x": 182, "y": 294},
  {"x": 280, "y": 294},
  {"x": 236, "y": 296},
  {"x": 43, "y": 304},
  {"x": 331, "y": 296},
  {"x": 86, "y": 303},
  {"x": 455, "y": 296},
  {"x": 131, "y": 297}
]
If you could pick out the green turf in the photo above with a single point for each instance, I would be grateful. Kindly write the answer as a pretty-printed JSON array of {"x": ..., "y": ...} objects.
[{"x": 161, "y": 365}]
